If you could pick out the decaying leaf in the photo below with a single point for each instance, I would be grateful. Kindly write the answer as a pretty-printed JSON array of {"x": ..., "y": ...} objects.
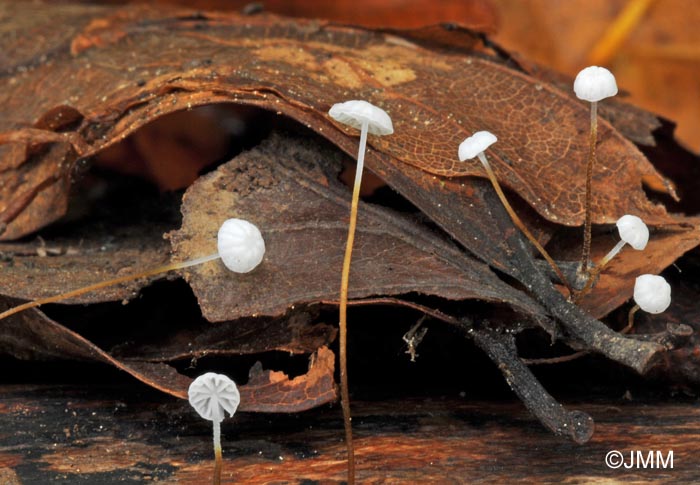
[
  {"x": 475, "y": 14},
  {"x": 119, "y": 244},
  {"x": 294, "y": 332},
  {"x": 266, "y": 390},
  {"x": 300, "y": 68},
  {"x": 617, "y": 281},
  {"x": 290, "y": 190},
  {"x": 119, "y": 68},
  {"x": 31, "y": 335},
  {"x": 656, "y": 62}
]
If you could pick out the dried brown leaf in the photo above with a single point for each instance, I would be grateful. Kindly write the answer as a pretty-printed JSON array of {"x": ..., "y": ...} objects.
[
  {"x": 295, "y": 332},
  {"x": 656, "y": 63},
  {"x": 31, "y": 335},
  {"x": 616, "y": 282},
  {"x": 290, "y": 190},
  {"x": 270, "y": 391},
  {"x": 121, "y": 243},
  {"x": 300, "y": 68}
]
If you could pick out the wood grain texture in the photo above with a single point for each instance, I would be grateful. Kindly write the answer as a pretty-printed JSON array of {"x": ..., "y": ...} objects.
[{"x": 60, "y": 434}]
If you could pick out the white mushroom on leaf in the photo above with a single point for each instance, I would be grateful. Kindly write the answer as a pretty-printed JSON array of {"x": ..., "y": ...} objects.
[
  {"x": 474, "y": 147},
  {"x": 240, "y": 246},
  {"x": 370, "y": 119},
  {"x": 212, "y": 396},
  {"x": 592, "y": 84}
]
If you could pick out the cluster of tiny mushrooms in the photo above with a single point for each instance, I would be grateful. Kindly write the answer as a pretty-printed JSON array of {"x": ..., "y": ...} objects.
[{"x": 241, "y": 249}]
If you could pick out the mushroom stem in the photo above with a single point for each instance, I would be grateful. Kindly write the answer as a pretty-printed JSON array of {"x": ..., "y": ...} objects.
[
  {"x": 212, "y": 396},
  {"x": 630, "y": 319},
  {"x": 595, "y": 271},
  {"x": 611, "y": 254},
  {"x": 519, "y": 223},
  {"x": 104, "y": 284},
  {"x": 218, "y": 461},
  {"x": 586, "y": 253},
  {"x": 344, "y": 283}
]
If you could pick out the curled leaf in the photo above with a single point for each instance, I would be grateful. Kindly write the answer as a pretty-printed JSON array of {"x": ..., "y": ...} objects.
[{"x": 290, "y": 190}]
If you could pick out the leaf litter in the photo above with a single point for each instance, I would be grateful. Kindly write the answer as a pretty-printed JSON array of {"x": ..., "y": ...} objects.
[{"x": 437, "y": 97}]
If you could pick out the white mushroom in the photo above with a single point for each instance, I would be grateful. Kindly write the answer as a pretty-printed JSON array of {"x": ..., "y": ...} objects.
[
  {"x": 652, "y": 293},
  {"x": 592, "y": 84},
  {"x": 358, "y": 113},
  {"x": 632, "y": 231},
  {"x": 474, "y": 147},
  {"x": 367, "y": 118},
  {"x": 240, "y": 246},
  {"x": 212, "y": 396}
]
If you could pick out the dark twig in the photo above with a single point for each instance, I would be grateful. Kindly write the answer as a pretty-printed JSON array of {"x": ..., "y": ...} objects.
[
  {"x": 500, "y": 347},
  {"x": 675, "y": 335},
  {"x": 581, "y": 331}
]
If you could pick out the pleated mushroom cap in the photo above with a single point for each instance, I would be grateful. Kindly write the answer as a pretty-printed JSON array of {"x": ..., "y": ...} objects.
[
  {"x": 475, "y": 144},
  {"x": 240, "y": 245},
  {"x": 633, "y": 231},
  {"x": 652, "y": 293},
  {"x": 212, "y": 395},
  {"x": 595, "y": 83},
  {"x": 354, "y": 113}
]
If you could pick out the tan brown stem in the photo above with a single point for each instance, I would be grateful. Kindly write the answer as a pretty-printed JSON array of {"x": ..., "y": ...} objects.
[
  {"x": 519, "y": 223},
  {"x": 630, "y": 319},
  {"x": 555, "y": 360},
  {"x": 586, "y": 253},
  {"x": 105, "y": 284},
  {"x": 593, "y": 274},
  {"x": 343, "y": 310}
]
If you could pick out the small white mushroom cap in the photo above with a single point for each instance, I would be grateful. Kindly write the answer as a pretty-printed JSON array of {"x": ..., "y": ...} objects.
[
  {"x": 475, "y": 144},
  {"x": 354, "y": 113},
  {"x": 212, "y": 395},
  {"x": 240, "y": 245},
  {"x": 595, "y": 83},
  {"x": 652, "y": 293},
  {"x": 633, "y": 231}
]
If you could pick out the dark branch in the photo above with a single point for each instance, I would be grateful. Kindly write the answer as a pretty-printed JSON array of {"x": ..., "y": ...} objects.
[{"x": 500, "y": 347}]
